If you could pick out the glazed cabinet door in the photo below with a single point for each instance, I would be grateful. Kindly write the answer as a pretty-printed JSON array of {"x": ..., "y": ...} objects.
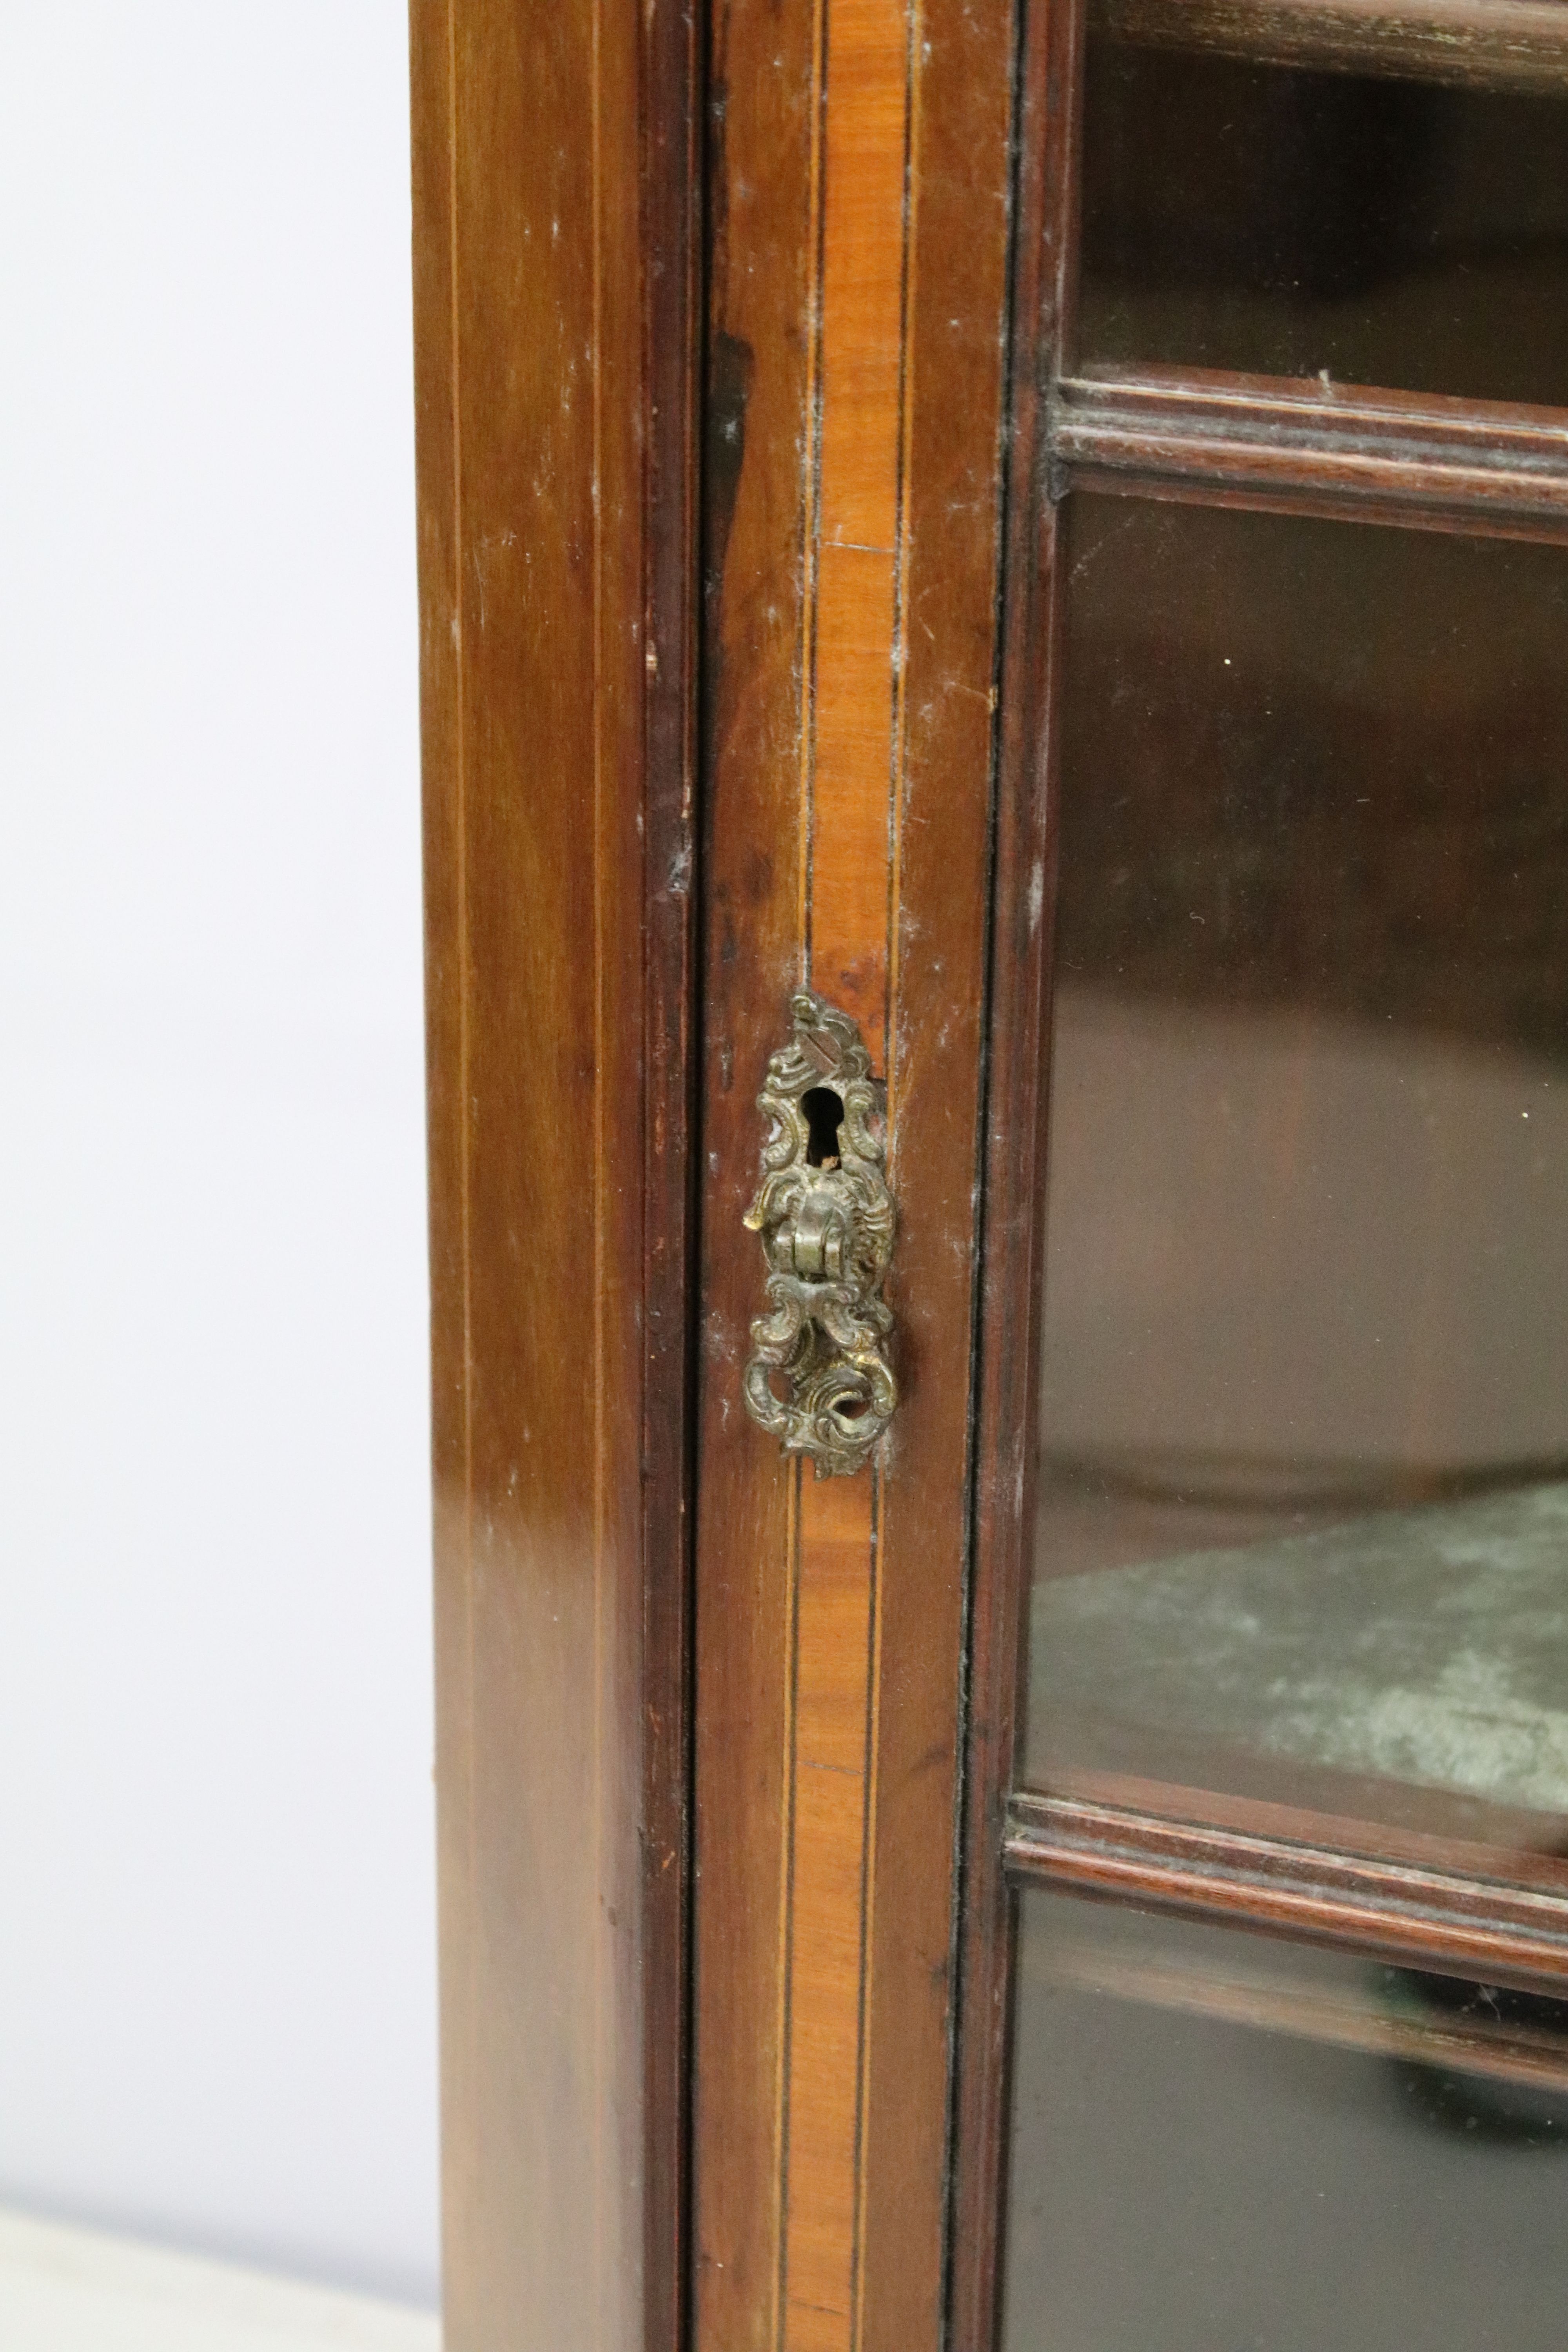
[{"x": 1264, "y": 2035}]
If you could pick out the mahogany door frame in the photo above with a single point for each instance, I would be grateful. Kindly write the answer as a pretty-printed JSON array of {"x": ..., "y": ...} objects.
[{"x": 860, "y": 177}]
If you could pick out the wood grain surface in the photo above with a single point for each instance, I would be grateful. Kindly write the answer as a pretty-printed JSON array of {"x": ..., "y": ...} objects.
[
  {"x": 1418, "y": 1914},
  {"x": 1430, "y": 463},
  {"x": 859, "y": 243},
  {"x": 554, "y": 201}
]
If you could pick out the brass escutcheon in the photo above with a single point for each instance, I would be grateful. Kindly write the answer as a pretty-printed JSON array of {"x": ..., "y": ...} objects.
[{"x": 826, "y": 1220}]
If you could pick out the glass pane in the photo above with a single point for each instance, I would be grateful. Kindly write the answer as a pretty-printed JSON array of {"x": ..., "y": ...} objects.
[
  {"x": 1303, "y": 1521},
  {"x": 1291, "y": 222},
  {"x": 1220, "y": 2143}
]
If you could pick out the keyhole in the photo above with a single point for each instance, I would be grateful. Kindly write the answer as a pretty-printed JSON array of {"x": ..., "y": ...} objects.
[{"x": 824, "y": 1115}]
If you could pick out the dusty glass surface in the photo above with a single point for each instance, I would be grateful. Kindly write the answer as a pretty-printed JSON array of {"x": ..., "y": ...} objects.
[
  {"x": 1303, "y": 1494},
  {"x": 1223, "y": 2144},
  {"x": 1290, "y": 222}
]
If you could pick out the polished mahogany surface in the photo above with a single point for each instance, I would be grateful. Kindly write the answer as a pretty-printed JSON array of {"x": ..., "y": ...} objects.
[
  {"x": 552, "y": 197},
  {"x": 859, "y": 228}
]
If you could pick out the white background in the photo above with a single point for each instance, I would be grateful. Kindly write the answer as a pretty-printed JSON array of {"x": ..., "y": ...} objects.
[{"x": 217, "y": 1936}]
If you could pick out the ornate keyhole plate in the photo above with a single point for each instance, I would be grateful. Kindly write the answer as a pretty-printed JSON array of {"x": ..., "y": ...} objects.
[{"x": 826, "y": 1218}]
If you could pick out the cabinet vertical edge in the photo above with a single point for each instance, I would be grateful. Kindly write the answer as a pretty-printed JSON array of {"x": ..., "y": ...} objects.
[{"x": 556, "y": 265}]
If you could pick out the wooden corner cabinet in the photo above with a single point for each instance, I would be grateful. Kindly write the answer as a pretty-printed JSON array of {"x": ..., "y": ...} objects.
[{"x": 995, "y": 635}]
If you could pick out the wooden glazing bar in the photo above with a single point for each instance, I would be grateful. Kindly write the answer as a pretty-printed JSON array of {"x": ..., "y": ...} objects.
[
  {"x": 1514, "y": 45},
  {"x": 1463, "y": 1925},
  {"x": 1306, "y": 447},
  {"x": 1531, "y": 1840}
]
